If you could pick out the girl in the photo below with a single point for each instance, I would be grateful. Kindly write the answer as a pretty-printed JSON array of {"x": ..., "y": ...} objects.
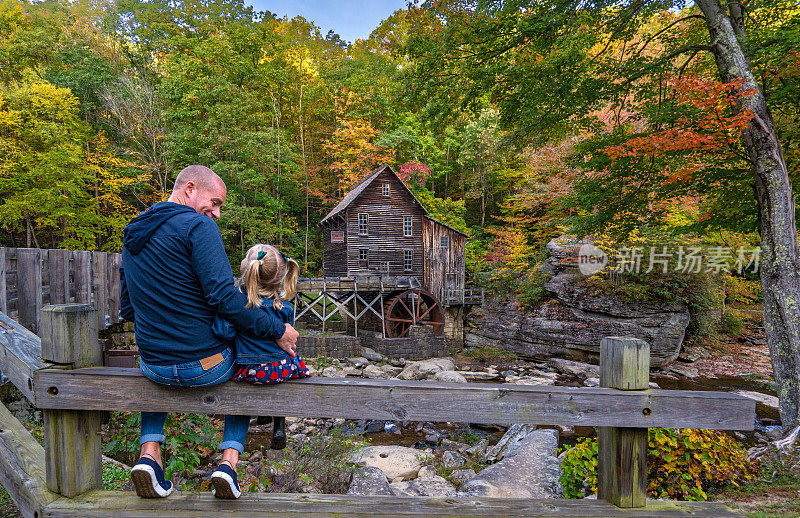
[{"x": 269, "y": 279}]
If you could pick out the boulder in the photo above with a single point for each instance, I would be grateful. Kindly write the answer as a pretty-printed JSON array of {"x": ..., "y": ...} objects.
[
  {"x": 371, "y": 354},
  {"x": 358, "y": 362},
  {"x": 394, "y": 461},
  {"x": 427, "y": 472},
  {"x": 479, "y": 376},
  {"x": 391, "y": 370},
  {"x": 374, "y": 372},
  {"x": 429, "y": 486},
  {"x": 530, "y": 380},
  {"x": 423, "y": 369},
  {"x": 449, "y": 377},
  {"x": 369, "y": 481},
  {"x": 530, "y": 469},
  {"x": 515, "y": 433},
  {"x": 683, "y": 370},
  {"x": 759, "y": 398},
  {"x": 332, "y": 372},
  {"x": 575, "y": 369},
  {"x": 479, "y": 448},
  {"x": 351, "y": 371}
]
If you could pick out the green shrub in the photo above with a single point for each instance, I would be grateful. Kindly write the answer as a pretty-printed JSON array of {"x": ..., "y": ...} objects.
[
  {"x": 681, "y": 464},
  {"x": 320, "y": 461},
  {"x": 731, "y": 324},
  {"x": 579, "y": 469}
]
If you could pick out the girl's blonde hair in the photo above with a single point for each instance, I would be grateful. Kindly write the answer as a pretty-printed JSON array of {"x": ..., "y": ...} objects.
[{"x": 273, "y": 277}]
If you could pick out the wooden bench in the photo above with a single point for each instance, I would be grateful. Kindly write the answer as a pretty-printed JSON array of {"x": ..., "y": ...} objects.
[{"x": 72, "y": 391}]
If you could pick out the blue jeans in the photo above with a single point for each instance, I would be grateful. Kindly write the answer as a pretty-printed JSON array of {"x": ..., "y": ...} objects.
[{"x": 192, "y": 374}]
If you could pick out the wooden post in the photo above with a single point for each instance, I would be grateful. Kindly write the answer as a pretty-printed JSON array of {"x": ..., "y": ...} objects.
[
  {"x": 58, "y": 264},
  {"x": 113, "y": 282},
  {"x": 99, "y": 282},
  {"x": 72, "y": 438},
  {"x": 29, "y": 287},
  {"x": 622, "y": 452},
  {"x": 3, "y": 286},
  {"x": 82, "y": 264}
]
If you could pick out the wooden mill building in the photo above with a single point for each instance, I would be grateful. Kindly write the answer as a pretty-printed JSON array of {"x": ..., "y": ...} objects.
[{"x": 380, "y": 228}]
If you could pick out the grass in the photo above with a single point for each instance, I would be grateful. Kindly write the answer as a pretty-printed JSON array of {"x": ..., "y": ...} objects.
[{"x": 776, "y": 494}]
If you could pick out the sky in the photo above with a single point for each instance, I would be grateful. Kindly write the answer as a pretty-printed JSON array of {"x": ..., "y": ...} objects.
[{"x": 351, "y": 19}]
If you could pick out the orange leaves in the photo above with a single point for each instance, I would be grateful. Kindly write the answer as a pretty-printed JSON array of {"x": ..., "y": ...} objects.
[
  {"x": 354, "y": 154},
  {"x": 710, "y": 119}
]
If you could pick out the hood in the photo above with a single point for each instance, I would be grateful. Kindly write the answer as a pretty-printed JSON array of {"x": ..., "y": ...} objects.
[{"x": 141, "y": 228}]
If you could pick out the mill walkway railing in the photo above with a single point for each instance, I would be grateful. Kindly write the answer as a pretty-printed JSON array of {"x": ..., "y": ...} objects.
[{"x": 59, "y": 373}]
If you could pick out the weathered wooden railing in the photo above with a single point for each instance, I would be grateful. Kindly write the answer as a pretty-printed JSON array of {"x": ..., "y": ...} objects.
[
  {"x": 31, "y": 278},
  {"x": 65, "y": 383}
]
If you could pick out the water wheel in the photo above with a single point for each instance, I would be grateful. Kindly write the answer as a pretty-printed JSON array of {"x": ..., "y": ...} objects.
[{"x": 411, "y": 307}]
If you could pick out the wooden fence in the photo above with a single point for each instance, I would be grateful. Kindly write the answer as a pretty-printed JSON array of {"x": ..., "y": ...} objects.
[
  {"x": 59, "y": 374},
  {"x": 31, "y": 278}
]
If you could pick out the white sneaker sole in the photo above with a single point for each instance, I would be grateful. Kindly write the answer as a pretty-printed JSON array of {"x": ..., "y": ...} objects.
[
  {"x": 224, "y": 486},
  {"x": 146, "y": 483}
]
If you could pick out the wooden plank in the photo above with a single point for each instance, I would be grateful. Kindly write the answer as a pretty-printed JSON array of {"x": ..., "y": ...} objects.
[
  {"x": 622, "y": 452},
  {"x": 58, "y": 262},
  {"x": 99, "y": 287},
  {"x": 72, "y": 438},
  {"x": 20, "y": 354},
  {"x": 29, "y": 287},
  {"x": 122, "y": 504},
  {"x": 3, "y": 285},
  {"x": 113, "y": 283},
  {"x": 82, "y": 277},
  {"x": 22, "y": 466},
  {"x": 109, "y": 388}
]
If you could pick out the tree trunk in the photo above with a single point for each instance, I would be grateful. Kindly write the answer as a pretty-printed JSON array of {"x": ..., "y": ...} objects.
[{"x": 780, "y": 256}]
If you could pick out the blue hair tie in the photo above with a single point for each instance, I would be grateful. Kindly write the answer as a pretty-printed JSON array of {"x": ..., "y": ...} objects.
[{"x": 260, "y": 255}]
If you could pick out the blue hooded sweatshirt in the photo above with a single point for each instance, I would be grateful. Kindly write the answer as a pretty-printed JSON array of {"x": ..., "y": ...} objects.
[{"x": 176, "y": 278}]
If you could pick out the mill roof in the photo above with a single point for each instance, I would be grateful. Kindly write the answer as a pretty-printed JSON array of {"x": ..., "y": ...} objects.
[{"x": 361, "y": 186}]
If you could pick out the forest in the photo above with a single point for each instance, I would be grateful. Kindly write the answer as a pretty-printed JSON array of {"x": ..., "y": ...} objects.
[{"x": 508, "y": 125}]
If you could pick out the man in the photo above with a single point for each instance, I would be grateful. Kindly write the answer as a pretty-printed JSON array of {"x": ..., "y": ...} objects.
[{"x": 175, "y": 279}]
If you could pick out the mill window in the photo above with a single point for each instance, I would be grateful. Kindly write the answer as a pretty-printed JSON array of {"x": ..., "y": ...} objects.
[
  {"x": 363, "y": 258},
  {"x": 386, "y": 189},
  {"x": 444, "y": 242},
  {"x": 407, "y": 226},
  {"x": 363, "y": 224},
  {"x": 408, "y": 260}
]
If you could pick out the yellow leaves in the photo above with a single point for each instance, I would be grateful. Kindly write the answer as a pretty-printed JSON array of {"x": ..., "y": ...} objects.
[{"x": 301, "y": 59}]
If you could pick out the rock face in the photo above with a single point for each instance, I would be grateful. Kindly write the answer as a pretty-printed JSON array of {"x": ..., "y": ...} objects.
[
  {"x": 575, "y": 318},
  {"x": 394, "y": 461},
  {"x": 530, "y": 469}
]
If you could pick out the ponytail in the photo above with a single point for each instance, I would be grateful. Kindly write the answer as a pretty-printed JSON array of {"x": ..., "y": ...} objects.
[
  {"x": 290, "y": 281},
  {"x": 251, "y": 283}
]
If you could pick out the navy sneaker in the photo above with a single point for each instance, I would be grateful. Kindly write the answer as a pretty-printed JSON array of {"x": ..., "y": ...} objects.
[
  {"x": 225, "y": 484},
  {"x": 148, "y": 479}
]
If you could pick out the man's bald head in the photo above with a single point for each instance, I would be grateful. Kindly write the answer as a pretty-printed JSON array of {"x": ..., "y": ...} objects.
[
  {"x": 200, "y": 175},
  {"x": 200, "y": 188}
]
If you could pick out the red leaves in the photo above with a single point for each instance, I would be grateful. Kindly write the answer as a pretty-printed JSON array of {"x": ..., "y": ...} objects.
[{"x": 712, "y": 119}]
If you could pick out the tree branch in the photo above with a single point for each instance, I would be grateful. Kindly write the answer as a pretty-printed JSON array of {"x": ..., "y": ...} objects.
[
  {"x": 672, "y": 55},
  {"x": 654, "y": 36}
]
